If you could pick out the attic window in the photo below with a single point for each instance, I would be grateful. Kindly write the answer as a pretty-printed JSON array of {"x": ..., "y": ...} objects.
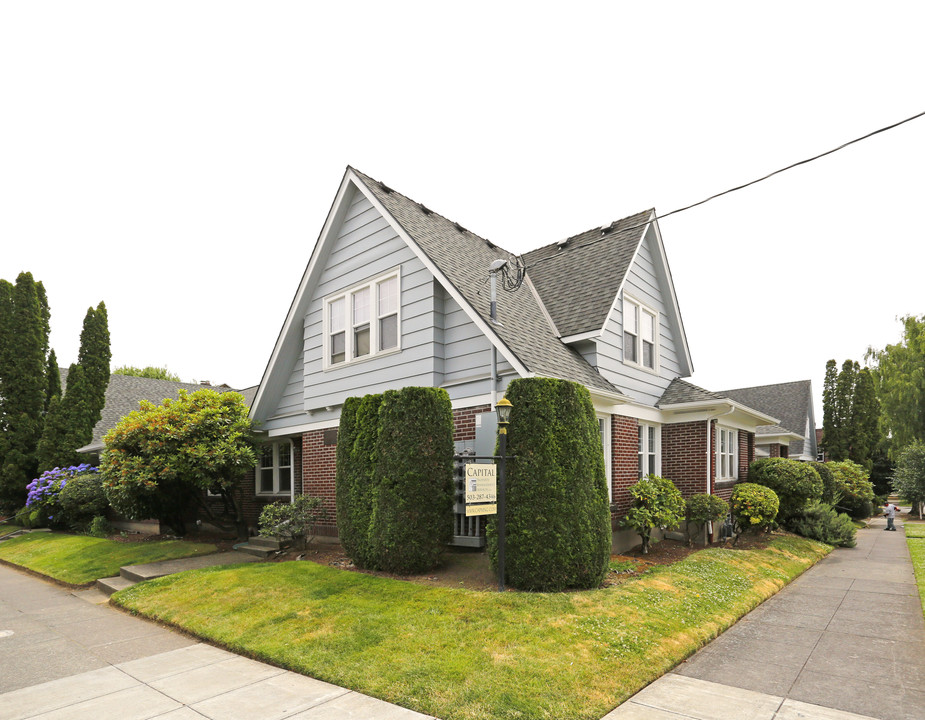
[
  {"x": 640, "y": 335},
  {"x": 362, "y": 322}
]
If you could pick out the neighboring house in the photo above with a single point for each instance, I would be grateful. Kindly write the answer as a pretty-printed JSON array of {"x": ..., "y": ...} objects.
[
  {"x": 125, "y": 392},
  {"x": 794, "y": 435},
  {"x": 395, "y": 295},
  {"x": 820, "y": 451}
]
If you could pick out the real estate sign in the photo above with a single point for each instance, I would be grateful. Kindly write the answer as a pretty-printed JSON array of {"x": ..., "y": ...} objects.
[{"x": 481, "y": 489}]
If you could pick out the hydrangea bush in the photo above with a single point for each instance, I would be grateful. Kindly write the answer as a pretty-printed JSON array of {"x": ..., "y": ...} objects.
[{"x": 42, "y": 499}]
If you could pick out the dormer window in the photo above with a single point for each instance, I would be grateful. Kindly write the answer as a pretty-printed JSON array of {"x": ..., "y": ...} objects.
[
  {"x": 640, "y": 335},
  {"x": 362, "y": 322}
]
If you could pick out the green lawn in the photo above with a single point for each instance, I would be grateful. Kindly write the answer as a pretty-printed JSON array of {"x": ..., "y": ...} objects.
[
  {"x": 80, "y": 559},
  {"x": 915, "y": 539},
  {"x": 463, "y": 654}
]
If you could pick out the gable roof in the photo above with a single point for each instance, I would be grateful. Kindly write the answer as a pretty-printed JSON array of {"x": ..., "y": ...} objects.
[
  {"x": 125, "y": 392},
  {"x": 567, "y": 275},
  {"x": 462, "y": 259},
  {"x": 790, "y": 402}
]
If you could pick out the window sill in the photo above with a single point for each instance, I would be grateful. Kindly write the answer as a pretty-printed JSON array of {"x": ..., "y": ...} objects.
[{"x": 359, "y": 361}]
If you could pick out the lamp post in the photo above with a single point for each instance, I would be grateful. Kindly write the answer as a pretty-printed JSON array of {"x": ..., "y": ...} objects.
[{"x": 503, "y": 409}]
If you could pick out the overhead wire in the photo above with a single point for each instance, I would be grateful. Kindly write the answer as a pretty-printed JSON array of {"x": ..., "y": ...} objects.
[{"x": 745, "y": 185}]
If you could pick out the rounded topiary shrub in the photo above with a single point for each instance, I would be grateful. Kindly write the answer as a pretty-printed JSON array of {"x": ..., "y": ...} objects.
[
  {"x": 412, "y": 516},
  {"x": 795, "y": 483},
  {"x": 853, "y": 488},
  {"x": 558, "y": 512},
  {"x": 829, "y": 485},
  {"x": 81, "y": 499},
  {"x": 754, "y": 506},
  {"x": 702, "y": 509},
  {"x": 657, "y": 503},
  {"x": 355, "y": 475}
]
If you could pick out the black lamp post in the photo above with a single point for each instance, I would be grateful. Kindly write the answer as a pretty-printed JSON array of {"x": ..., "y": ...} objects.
[{"x": 503, "y": 408}]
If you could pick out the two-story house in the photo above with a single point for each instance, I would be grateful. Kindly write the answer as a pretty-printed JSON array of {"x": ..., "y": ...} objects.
[{"x": 395, "y": 294}]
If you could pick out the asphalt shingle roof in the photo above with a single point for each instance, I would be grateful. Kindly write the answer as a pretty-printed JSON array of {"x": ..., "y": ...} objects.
[
  {"x": 681, "y": 391},
  {"x": 125, "y": 392},
  {"x": 579, "y": 280},
  {"x": 789, "y": 402},
  {"x": 464, "y": 258}
]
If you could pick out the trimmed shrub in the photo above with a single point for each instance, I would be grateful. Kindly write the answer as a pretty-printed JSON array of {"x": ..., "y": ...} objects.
[
  {"x": 558, "y": 514},
  {"x": 411, "y": 521},
  {"x": 100, "y": 527},
  {"x": 830, "y": 494},
  {"x": 754, "y": 506},
  {"x": 355, "y": 477},
  {"x": 857, "y": 492},
  {"x": 794, "y": 482},
  {"x": 702, "y": 509},
  {"x": 819, "y": 521},
  {"x": 657, "y": 503},
  {"x": 292, "y": 522},
  {"x": 81, "y": 499}
]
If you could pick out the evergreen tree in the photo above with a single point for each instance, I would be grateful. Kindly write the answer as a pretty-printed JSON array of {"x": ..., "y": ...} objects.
[
  {"x": 48, "y": 453},
  {"x": 865, "y": 421},
  {"x": 24, "y": 322},
  {"x": 52, "y": 380},
  {"x": 85, "y": 395},
  {"x": 830, "y": 428}
]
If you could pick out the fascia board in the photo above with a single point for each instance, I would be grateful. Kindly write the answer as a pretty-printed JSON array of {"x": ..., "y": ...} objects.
[
  {"x": 613, "y": 303},
  {"x": 663, "y": 256},
  {"x": 296, "y": 309},
  {"x": 489, "y": 333},
  {"x": 747, "y": 415},
  {"x": 777, "y": 438},
  {"x": 582, "y": 336}
]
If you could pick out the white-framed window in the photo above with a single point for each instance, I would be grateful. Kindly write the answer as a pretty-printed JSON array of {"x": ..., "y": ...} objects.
[
  {"x": 640, "y": 334},
  {"x": 274, "y": 468},
  {"x": 727, "y": 453},
  {"x": 650, "y": 461},
  {"x": 603, "y": 422},
  {"x": 363, "y": 321}
]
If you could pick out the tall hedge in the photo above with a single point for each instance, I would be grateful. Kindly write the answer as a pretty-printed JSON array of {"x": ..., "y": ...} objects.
[
  {"x": 558, "y": 516},
  {"x": 795, "y": 483},
  {"x": 412, "y": 517},
  {"x": 355, "y": 478}
]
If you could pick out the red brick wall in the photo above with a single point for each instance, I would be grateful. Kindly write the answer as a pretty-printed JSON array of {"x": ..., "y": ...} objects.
[
  {"x": 624, "y": 462},
  {"x": 464, "y": 422},
  {"x": 774, "y": 450},
  {"x": 318, "y": 476},
  {"x": 684, "y": 459}
]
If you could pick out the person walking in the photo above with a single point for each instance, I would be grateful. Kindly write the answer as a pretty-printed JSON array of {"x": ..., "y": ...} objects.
[{"x": 889, "y": 509}]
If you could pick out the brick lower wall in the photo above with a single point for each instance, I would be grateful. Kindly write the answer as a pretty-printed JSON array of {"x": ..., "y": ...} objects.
[
  {"x": 624, "y": 463},
  {"x": 464, "y": 422},
  {"x": 684, "y": 457}
]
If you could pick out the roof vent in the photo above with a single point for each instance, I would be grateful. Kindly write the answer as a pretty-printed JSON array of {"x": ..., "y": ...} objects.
[
  {"x": 424, "y": 209},
  {"x": 563, "y": 243},
  {"x": 459, "y": 227},
  {"x": 490, "y": 244},
  {"x": 385, "y": 188}
]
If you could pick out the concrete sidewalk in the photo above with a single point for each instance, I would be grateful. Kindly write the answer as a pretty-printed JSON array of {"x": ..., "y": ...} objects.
[
  {"x": 66, "y": 654},
  {"x": 845, "y": 641}
]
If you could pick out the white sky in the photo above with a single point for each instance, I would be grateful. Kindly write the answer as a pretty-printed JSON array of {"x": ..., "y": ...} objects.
[{"x": 177, "y": 159}]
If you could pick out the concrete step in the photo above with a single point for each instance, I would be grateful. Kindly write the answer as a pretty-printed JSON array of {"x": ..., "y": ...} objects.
[
  {"x": 113, "y": 584},
  {"x": 268, "y": 542},
  {"x": 169, "y": 567},
  {"x": 257, "y": 551}
]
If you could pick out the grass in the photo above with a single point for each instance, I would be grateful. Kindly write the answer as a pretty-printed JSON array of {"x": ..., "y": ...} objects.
[
  {"x": 466, "y": 655},
  {"x": 915, "y": 539},
  {"x": 80, "y": 559}
]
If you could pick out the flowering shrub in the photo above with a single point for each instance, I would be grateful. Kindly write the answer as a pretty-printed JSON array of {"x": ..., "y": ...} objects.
[
  {"x": 43, "y": 493},
  {"x": 754, "y": 506}
]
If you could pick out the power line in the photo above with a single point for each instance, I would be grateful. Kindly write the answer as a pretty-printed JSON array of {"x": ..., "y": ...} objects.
[{"x": 753, "y": 182}]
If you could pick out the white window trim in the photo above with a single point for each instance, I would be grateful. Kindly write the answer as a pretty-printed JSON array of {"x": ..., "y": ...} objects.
[
  {"x": 348, "y": 326},
  {"x": 732, "y": 454},
  {"x": 604, "y": 422},
  {"x": 631, "y": 305},
  {"x": 646, "y": 451},
  {"x": 276, "y": 492}
]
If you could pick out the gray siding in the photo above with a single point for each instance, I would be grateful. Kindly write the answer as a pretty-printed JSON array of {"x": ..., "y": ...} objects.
[{"x": 647, "y": 285}]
